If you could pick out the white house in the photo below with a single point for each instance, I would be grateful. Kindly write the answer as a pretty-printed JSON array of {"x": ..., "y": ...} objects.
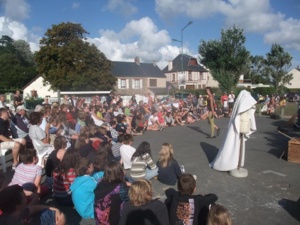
[
  {"x": 295, "y": 82},
  {"x": 41, "y": 90}
]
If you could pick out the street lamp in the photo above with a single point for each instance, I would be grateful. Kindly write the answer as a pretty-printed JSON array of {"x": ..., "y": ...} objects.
[{"x": 181, "y": 41}]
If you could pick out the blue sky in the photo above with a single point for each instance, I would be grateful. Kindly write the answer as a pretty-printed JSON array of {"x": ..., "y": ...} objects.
[{"x": 124, "y": 29}]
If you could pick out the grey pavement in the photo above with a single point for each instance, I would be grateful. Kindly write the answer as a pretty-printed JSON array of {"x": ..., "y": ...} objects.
[{"x": 268, "y": 195}]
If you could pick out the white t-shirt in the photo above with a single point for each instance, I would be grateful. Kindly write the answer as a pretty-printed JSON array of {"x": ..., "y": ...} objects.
[
  {"x": 126, "y": 152},
  {"x": 231, "y": 98},
  {"x": 152, "y": 119}
]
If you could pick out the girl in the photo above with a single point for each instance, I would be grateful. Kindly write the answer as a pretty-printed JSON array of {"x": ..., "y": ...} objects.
[
  {"x": 83, "y": 189},
  {"x": 168, "y": 168},
  {"x": 84, "y": 145},
  {"x": 63, "y": 177},
  {"x": 110, "y": 195},
  {"x": 211, "y": 113},
  {"x": 141, "y": 160},
  {"x": 218, "y": 215}
]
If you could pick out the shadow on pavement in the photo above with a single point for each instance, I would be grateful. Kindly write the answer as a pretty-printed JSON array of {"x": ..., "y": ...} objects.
[
  {"x": 198, "y": 129},
  {"x": 292, "y": 207},
  {"x": 210, "y": 151}
]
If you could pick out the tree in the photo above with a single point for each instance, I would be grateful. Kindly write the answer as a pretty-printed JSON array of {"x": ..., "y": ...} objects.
[
  {"x": 257, "y": 73},
  {"x": 15, "y": 67},
  {"x": 68, "y": 62},
  {"x": 276, "y": 64},
  {"x": 227, "y": 58}
]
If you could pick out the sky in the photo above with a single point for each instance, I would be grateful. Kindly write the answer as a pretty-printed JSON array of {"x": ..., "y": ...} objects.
[{"x": 125, "y": 29}]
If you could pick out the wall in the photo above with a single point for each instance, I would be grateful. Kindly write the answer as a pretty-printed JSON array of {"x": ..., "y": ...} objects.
[{"x": 42, "y": 91}]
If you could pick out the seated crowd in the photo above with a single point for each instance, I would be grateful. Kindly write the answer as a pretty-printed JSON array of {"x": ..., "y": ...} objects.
[{"x": 91, "y": 165}]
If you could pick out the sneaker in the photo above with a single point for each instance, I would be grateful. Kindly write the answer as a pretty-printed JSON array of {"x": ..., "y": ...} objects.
[
  {"x": 195, "y": 177},
  {"x": 14, "y": 167}
]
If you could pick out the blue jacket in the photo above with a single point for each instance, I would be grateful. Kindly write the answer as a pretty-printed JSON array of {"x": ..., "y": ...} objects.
[{"x": 83, "y": 195}]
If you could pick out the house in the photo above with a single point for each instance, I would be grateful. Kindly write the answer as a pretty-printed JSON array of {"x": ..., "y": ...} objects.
[
  {"x": 295, "y": 82},
  {"x": 37, "y": 88},
  {"x": 186, "y": 73},
  {"x": 136, "y": 78}
]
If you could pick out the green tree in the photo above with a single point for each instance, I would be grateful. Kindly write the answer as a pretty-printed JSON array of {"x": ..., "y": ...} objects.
[
  {"x": 68, "y": 62},
  {"x": 257, "y": 73},
  {"x": 15, "y": 69},
  {"x": 277, "y": 63},
  {"x": 227, "y": 58}
]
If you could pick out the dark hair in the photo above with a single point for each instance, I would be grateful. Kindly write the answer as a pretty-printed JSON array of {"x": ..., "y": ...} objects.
[
  {"x": 2, "y": 110},
  {"x": 112, "y": 123},
  {"x": 68, "y": 161},
  {"x": 82, "y": 167},
  {"x": 113, "y": 172},
  {"x": 81, "y": 140},
  {"x": 35, "y": 118},
  {"x": 120, "y": 138},
  {"x": 127, "y": 139},
  {"x": 120, "y": 118},
  {"x": 103, "y": 156},
  {"x": 11, "y": 196},
  {"x": 186, "y": 184},
  {"x": 27, "y": 155},
  {"x": 142, "y": 149},
  {"x": 210, "y": 89},
  {"x": 60, "y": 142}
]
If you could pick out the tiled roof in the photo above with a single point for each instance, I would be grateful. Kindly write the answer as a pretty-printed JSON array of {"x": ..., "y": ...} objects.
[
  {"x": 132, "y": 69},
  {"x": 189, "y": 63}
]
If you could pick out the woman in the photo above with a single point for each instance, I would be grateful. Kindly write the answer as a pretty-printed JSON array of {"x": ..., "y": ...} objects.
[
  {"x": 141, "y": 209},
  {"x": 63, "y": 177},
  {"x": 110, "y": 195},
  {"x": 168, "y": 168},
  {"x": 40, "y": 138},
  {"x": 84, "y": 145},
  {"x": 142, "y": 163},
  {"x": 211, "y": 113}
]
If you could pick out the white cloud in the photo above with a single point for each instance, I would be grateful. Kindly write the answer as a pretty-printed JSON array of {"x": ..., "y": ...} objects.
[
  {"x": 16, "y": 9},
  {"x": 255, "y": 16},
  {"x": 138, "y": 38},
  {"x": 125, "y": 7},
  {"x": 18, "y": 31},
  {"x": 75, "y": 5}
]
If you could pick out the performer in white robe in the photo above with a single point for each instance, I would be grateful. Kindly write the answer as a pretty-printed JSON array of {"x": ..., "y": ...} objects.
[{"x": 228, "y": 156}]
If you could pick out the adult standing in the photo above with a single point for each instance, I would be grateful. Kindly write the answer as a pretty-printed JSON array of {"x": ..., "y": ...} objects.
[
  {"x": 211, "y": 113},
  {"x": 5, "y": 141},
  {"x": 18, "y": 99},
  {"x": 231, "y": 98}
]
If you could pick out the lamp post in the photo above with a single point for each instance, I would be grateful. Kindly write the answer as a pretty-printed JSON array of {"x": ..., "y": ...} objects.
[{"x": 181, "y": 41}]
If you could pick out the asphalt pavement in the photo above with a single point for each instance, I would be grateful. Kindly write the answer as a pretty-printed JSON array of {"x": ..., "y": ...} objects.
[{"x": 270, "y": 193}]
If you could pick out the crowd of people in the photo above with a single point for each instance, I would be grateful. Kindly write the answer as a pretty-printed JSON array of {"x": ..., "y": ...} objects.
[{"x": 90, "y": 164}]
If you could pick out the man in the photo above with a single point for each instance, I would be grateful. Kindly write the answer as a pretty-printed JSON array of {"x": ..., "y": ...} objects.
[
  {"x": 20, "y": 119},
  {"x": 2, "y": 102},
  {"x": 18, "y": 99},
  {"x": 5, "y": 141}
]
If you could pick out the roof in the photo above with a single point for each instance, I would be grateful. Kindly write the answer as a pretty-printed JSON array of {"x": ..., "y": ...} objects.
[
  {"x": 30, "y": 82},
  {"x": 189, "y": 63},
  {"x": 133, "y": 69}
]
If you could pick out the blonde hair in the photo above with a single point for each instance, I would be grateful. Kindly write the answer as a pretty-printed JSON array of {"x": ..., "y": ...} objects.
[
  {"x": 165, "y": 155},
  {"x": 140, "y": 192},
  {"x": 219, "y": 215}
]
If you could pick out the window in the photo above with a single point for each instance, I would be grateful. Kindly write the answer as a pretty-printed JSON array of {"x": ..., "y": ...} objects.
[
  {"x": 152, "y": 82},
  {"x": 137, "y": 83},
  {"x": 123, "y": 83},
  {"x": 190, "y": 76},
  {"x": 173, "y": 77},
  {"x": 201, "y": 76}
]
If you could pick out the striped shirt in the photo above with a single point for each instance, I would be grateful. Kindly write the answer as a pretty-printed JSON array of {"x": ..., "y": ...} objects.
[
  {"x": 116, "y": 149},
  {"x": 139, "y": 165},
  {"x": 26, "y": 173},
  {"x": 62, "y": 183}
]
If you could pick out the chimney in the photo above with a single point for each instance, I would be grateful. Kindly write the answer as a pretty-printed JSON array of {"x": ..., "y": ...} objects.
[
  {"x": 170, "y": 65},
  {"x": 137, "y": 60},
  {"x": 154, "y": 63}
]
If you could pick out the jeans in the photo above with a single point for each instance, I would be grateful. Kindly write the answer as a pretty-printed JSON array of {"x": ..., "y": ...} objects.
[{"x": 151, "y": 173}]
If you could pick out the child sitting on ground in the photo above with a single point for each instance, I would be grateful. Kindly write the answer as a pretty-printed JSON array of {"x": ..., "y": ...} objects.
[
  {"x": 186, "y": 208},
  {"x": 28, "y": 174},
  {"x": 218, "y": 215},
  {"x": 83, "y": 189}
]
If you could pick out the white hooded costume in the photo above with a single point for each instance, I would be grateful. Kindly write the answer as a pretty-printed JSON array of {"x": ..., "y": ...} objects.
[{"x": 228, "y": 156}]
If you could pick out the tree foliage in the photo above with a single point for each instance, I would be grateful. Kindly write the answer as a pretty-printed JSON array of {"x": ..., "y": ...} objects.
[
  {"x": 257, "y": 73},
  {"x": 227, "y": 58},
  {"x": 68, "y": 62},
  {"x": 17, "y": 66},
  {"x": 277, "y": 63}
]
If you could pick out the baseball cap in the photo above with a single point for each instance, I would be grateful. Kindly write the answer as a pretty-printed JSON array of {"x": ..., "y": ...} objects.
[{"x": 20, "y": 107}]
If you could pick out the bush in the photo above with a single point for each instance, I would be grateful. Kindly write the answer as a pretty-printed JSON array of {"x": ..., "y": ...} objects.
[{"x": 32, "y": 103}]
